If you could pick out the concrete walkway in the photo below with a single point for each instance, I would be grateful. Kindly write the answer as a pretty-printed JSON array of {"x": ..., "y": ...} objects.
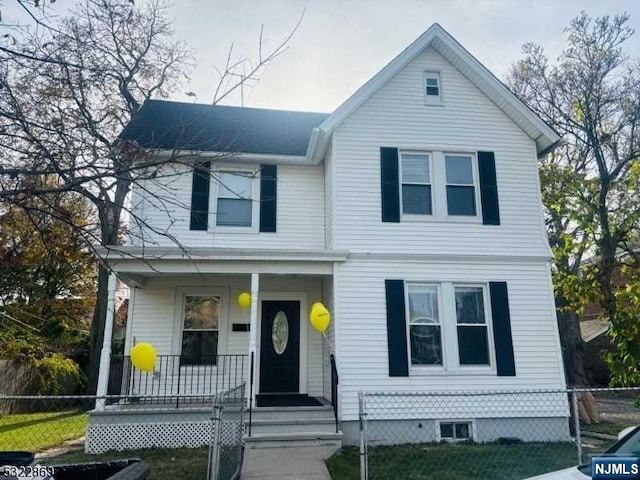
[{"x": 298, "y": 463}]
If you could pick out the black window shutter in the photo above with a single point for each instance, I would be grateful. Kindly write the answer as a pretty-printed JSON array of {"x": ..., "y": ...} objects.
[
  {"x": 396, "y": 329},
  {"x": 505, "y": 362},
  {"x": 390, "y": 184},
  {"x": 200, "y": 196},
  {"x": 268, "y": 197},
  {"x": 488, "y": 188}
]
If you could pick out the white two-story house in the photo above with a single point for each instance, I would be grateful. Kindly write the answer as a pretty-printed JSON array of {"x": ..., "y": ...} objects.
[{"x": 413, "y": 212}]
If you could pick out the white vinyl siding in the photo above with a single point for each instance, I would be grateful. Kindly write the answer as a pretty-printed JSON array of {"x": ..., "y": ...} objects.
[
  {"x": 300, "y": 213},
  {"x": 362, "y": 328},
  {"x": 468, "y": 122}
]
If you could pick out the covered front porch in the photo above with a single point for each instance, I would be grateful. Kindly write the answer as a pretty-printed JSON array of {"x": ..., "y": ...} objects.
[{"x": 208, "y": 343}]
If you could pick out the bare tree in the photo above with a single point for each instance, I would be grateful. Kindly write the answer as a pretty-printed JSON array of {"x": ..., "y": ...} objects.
[
  {"x": 592, "y": 97},
  {"x": 65, "y": 95}
]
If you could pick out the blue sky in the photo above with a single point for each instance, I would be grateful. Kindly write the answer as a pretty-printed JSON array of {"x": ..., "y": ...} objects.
[{"x": 341, "y": 44}]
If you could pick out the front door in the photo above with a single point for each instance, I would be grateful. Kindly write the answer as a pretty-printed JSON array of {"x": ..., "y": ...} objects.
[{"x": 280, "y": 347}]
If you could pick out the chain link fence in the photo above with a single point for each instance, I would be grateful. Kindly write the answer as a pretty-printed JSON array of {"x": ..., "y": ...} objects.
[
  {"x": 178, "y": 435},
  {"x": 227, "y": 449},
  {"x": 481, "y": 435}
]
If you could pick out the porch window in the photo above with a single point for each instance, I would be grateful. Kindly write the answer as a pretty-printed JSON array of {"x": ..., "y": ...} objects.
[{"x": 200, "y": 330}]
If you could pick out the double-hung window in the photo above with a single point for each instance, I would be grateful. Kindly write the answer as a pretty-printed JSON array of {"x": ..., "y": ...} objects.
[
  {"x": 416, "y": 183},
  {"x": 235, "y": 198},
  {"x": 438, "y": 185},
  {"x": 448, "y": 326},
  {"x": 460, "y": 181},
  {"x": 201, "y": 319},
  {"x": 471, "y": 319},
  {"x": 425, "y": 330}
]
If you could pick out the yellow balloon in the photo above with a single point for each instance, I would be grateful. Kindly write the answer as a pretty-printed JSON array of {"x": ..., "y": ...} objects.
[
  {"x": 143, "y": 357},
  {"x": 320, "y": 318},
  {"x": 244, "y": 300},
  {"x": 317, "y": 304}
]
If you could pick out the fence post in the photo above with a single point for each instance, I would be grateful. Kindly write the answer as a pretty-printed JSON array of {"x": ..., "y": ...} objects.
[
  {"x": 364, "y": 461},
  {"x": 215, "y": 450},
  {"x": 576, "y": 424}
]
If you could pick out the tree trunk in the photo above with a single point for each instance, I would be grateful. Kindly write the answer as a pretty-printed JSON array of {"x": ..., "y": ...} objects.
[{"x": 572, "y": 345}]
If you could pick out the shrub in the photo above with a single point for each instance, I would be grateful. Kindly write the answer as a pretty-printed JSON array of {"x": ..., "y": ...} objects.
[{"x": 58, "y": 375}]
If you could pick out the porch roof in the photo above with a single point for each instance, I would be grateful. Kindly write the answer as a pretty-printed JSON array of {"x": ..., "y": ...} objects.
[{"x": 133, "y": 263}]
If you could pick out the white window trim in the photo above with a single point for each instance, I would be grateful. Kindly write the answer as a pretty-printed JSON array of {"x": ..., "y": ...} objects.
[
  {"x": 476, "y": 187},
  {"x": 223, "y": 321},
  {"x": 488, "y": 322},
  {"x": 407, "y": 315},
  {"x": 472, "y": 430},
  {"x": 438, "y": 178},
  {"x": 255, "y": 200},
  {"x": 430, "y": 99},
  {"x": 449, "y": 332},
  {"x": 415, "y": 216}
]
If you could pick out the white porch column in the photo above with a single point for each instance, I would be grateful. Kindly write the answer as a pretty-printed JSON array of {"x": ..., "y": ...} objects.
[
  {"x": 253, "y": 333},
  {"x": 105, "y": 354}
]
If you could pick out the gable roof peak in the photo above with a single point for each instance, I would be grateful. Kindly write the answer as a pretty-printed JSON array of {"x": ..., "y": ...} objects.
[{"x": 447, "y": 46}]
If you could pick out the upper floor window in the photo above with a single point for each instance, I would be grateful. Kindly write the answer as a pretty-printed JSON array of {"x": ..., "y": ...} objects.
[
  {"x": 432, "y": 87},
  {"x": 461, "y": 190},
  {"x": 234, "y": 199},
  {"x": 438, "y": 185},
  {"x": 416, "y": 184}
]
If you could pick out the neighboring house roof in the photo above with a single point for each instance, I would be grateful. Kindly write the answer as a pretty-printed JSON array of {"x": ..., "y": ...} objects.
[
  {"x": 592, "y": 329},
  {"x": 169, "y": 125},
  {"x": 443, "y": 43}
]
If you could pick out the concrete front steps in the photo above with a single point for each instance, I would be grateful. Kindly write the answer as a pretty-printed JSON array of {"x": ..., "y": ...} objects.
[{"x": 292, "y": 427}]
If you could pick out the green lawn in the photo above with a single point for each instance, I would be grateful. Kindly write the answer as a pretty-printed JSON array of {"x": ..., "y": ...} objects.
[
  {"x": 165, "y": 464},
  {"x": 454, "y": 462},
  {"x": 34, "y": 432}
]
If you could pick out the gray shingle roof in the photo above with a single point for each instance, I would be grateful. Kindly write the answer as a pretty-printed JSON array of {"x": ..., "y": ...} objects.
[{"x": 188, "y": 126}]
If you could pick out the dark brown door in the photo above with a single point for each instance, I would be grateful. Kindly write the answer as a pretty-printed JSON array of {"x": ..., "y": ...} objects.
[{"x": 280, "y": 347}]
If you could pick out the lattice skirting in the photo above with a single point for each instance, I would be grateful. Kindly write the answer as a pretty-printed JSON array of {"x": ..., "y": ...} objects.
[{"x": 102, "y": 437}]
